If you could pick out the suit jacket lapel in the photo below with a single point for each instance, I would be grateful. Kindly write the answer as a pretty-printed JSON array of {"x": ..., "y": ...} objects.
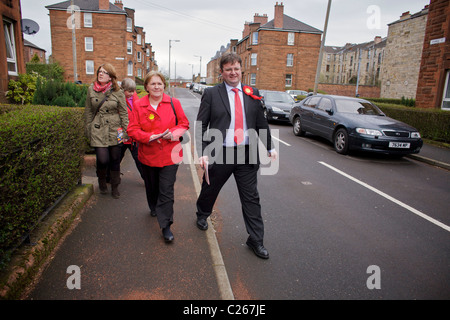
[{"x": 224, "y": 96}]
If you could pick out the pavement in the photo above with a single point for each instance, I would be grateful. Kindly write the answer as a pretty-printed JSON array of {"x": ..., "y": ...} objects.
[{"x": 119, "y": 251}]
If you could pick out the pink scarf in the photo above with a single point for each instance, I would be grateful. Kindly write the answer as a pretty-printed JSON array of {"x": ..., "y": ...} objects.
[{"x": 98, "y": 87}]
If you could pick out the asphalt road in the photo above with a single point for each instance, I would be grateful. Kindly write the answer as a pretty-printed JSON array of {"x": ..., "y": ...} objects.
[{"x": 339, "y": 227}]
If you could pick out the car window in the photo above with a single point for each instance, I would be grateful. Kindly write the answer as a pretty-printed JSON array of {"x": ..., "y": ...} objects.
[
  {"x": 278, "y": 97},
  {"x": 357, "y": 107},
  {"x": 325, "y": 104},
  {"x": 312, "y": 102}
]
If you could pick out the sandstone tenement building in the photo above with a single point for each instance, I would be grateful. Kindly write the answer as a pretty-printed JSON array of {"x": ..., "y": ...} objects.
[
  {"x": 105, "y": 33},
  {"x": 403, "y": 54}
]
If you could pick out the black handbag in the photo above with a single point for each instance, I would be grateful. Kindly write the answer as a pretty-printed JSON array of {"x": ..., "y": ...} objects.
[{"x": 176, "y": 121}]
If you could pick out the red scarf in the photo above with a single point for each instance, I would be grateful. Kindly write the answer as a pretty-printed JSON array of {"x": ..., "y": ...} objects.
[{"x": 98, "y": 87}]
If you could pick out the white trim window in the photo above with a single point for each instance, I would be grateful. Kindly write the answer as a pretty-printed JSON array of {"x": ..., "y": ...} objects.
[
  {"x": 139, "y": 56},
  {"x": 291, "y": 38},
  {"x": 88, "y": 44},
  {"x": 129, "y": 25},
  {"x": 288, "y": 80},
  {"x": 290, "y": 60},
  {"x": 129, "y": 47},
  {"x": 147, "y": 52},
  {"x": 139, "y": 39},
  {"x": 90, "y": 67},
  {"x": 254, "y": 59},
  {"x": 446, "y": 97},
  {"x": 253, "y": 79},
  {"x": 11, "y": 58},
  {"x": 130, "y": 68},
  {"x": 88, "y": 20},
  {"x": 139, "y": 72},
  {"x": 255, "y": 36}
]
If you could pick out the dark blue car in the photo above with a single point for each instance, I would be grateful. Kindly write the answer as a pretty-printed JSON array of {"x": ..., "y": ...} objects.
[{"x": 353, "y": 124}]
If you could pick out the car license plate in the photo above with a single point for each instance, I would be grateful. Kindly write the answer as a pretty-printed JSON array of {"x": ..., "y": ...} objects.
[{"x": 403, "y": 145}]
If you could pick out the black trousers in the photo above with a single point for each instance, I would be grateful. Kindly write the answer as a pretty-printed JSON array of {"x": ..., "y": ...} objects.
[
  {"x": 245, "y": 175},
  {"x": 159, "y": 188}
]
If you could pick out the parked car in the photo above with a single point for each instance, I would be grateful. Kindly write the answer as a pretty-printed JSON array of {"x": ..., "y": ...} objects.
[
  {"x": 354, "y": 124},
  {"x": 277, "y": 104},
  {"x": 295, "y": 93}
]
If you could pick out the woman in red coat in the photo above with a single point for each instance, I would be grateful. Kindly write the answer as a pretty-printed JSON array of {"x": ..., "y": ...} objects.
[{"x": 154, "y": 126}]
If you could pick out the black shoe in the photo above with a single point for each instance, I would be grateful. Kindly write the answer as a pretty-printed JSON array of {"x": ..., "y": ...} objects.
[
  {"x": 202, "y": 224},
  {"x": 258, "y": 249},
  {"x": 167, "y": 234}
]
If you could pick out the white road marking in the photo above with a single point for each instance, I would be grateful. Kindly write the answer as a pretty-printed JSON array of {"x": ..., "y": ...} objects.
[
  {"x": 281, "y": 141},
  {"x": 404, "y": 205}
]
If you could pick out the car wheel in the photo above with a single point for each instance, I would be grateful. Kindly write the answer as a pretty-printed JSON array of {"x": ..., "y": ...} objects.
[
  {"x": 266, "y": 114},
  {"x": 297, "y": 127},
  {"x": 341, "y": 141}
]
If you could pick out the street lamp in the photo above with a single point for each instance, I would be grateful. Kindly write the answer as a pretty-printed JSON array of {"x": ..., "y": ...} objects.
[
  {"x": 192, "y": 65},
  {"x": 200, "y": 74},
  {"x": 170, "y": 46}
]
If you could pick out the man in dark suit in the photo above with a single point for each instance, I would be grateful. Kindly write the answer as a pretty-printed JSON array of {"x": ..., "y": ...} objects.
[{"x": 232, "y": 120}]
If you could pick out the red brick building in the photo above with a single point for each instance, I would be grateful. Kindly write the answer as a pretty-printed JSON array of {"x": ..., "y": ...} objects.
[
  {"x": 279, "y": 54},
  {"x": 105, "y": 33},
  {"x": 11, "y": 44},
  {"x": 433, "y": 88},
  {"x": 30, "y": 50}
]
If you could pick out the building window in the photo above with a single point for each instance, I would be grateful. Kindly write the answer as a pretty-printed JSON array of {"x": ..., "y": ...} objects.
[
  {"x": 89, "y": 44},
  {"x": 11, "y": 59},
  {"x": 291, "y": 37},
  {"x": 129, "y": 25},
  {"x": 148, "y": 52},
  {"x": 139, "y": 71},
  {"x": 288, "y": 80},
  {"x": 446, "y": 98},
  {"x": 254, "y": 59},
  {"x": 253, "y": 79},
  {"x": 139, "y": 56},
  {"x": 88, "y": 20},
  {"x": 290, "y": 60},
  {"x": 130, "y": 68},
  {"x": 255, "y": 36},
  {"x": 139, "y": 39},
  {"x": 90, "y": 67},
  {"x": 130, "y": 47}
]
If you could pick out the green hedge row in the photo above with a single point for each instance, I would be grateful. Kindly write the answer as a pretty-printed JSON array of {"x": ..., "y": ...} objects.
[
  {"x": 41, "y": 150},
  {"x": 432, "y": 124}
]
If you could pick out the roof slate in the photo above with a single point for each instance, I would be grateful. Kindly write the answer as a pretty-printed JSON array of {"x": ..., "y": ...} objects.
[
  {"x": 291, "y": 24},
  {"x": 84, "y": 5}
]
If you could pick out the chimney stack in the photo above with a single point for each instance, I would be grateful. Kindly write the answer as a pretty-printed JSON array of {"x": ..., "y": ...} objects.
[
  {"x": 119, "y": 4},
  {"x": 262, "y": 19},
  {"x": 405, "y": 15},
  {"x": 103, "y": 4},
  {"x": 377, "y": 39},
  {"x": 279, "y": 13}
]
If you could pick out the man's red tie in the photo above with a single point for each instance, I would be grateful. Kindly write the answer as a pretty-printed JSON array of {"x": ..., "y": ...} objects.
[{"x": 239, "y": 119}]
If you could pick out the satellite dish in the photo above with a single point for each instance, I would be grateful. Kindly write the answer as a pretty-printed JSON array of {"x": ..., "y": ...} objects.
[{"x": 29, "y": 26}]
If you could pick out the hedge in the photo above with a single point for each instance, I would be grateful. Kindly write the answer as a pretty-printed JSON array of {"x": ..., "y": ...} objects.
[
  {"x": 41, "y": 150},
  {"x": 432, "y": 124}
]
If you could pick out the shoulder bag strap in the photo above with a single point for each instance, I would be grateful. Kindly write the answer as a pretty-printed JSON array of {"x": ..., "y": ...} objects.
[{"x": 173, "y": 108}]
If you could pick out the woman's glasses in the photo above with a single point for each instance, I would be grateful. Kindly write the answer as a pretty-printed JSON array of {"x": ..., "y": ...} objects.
[{"x": 104, "y": 72}]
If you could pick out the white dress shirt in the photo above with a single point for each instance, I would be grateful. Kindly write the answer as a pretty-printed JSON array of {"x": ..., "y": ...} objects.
[{"x": 229, "y": 139}]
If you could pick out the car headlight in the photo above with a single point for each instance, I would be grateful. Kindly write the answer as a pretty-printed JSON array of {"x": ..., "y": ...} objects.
[
  {"x": 415, "y": 135},
  {"x": 276, "y": 109},
  {"x": 370, "y": 132}
]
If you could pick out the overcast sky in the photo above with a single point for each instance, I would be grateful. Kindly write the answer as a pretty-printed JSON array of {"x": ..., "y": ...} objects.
[{"x": 203, "y": 26}]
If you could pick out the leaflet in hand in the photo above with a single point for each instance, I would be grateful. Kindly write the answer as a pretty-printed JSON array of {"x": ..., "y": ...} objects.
[{"x": 158, "y": 136}]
